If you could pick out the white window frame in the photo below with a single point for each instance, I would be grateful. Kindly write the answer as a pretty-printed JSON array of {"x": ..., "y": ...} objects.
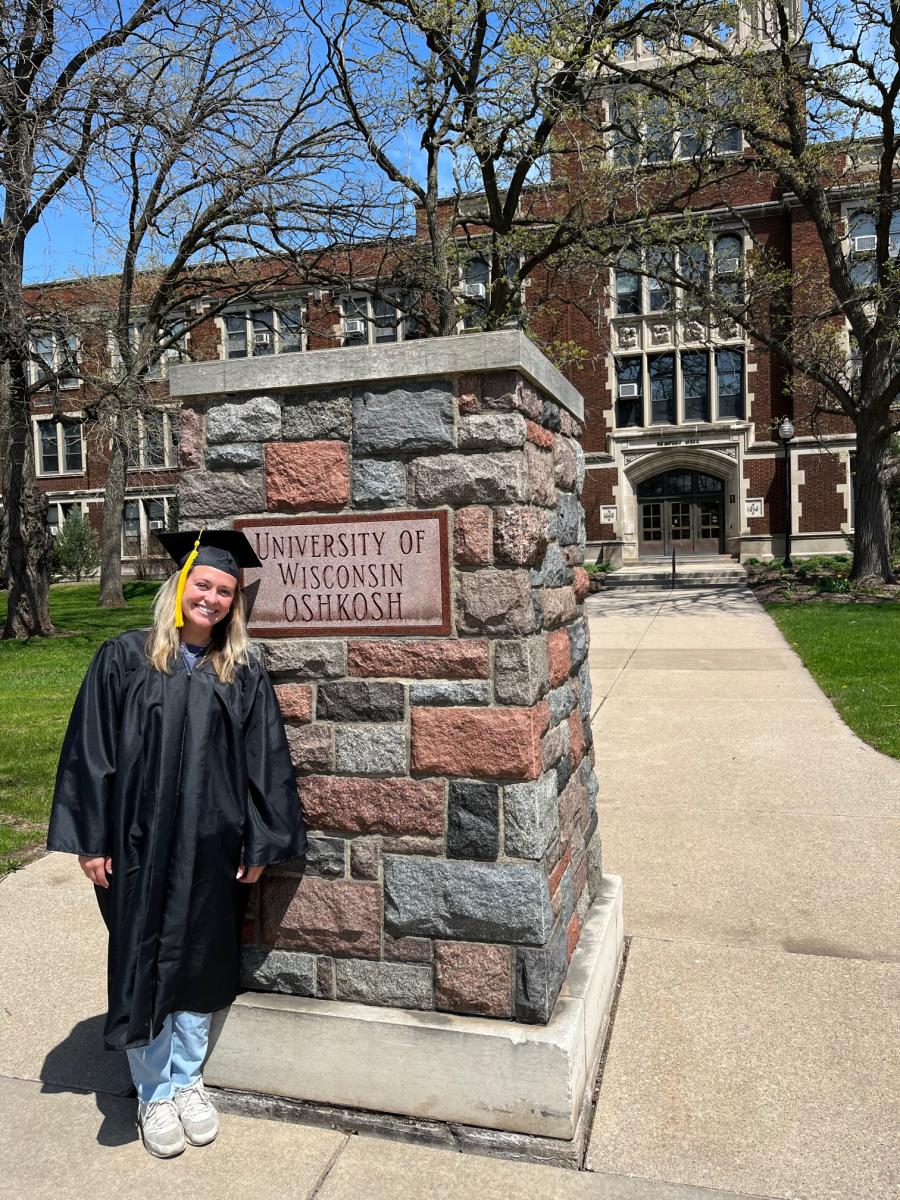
[
  {"x": 143, "y": 524},
  {"x": 66, "y": 384},
  {"x": 712, "y": 382},
  {"x": 170, "y": 444},
  {"x": 67, "y": 419},
  {"x": 679, "y": 137},
  {"x": 248, "y": 311},
  {"x": 160, "y": 370}
]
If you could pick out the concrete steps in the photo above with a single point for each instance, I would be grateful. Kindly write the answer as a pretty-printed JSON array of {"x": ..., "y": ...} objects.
[{"x": 714, "y": 570}]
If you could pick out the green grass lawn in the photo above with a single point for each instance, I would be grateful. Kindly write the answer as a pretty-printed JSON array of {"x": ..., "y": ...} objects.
[
  {"x": 38, "y": 683},
  {"x": 853, "y": 651}
]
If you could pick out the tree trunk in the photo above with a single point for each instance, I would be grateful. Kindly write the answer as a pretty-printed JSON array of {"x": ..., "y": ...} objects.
[
  {"x": 111, "y": 594},
  {"x": 872, "y": 512},
  {"x": 27, "y": 535}
]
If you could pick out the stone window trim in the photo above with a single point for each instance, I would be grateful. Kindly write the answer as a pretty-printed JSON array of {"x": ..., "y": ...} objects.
[
  {"x": 144, "y": 514},
  {"x": 140, "y": 455},
  {"x": 658, "y": 390},
  {"x": 52, "y": 443},
  {"x": 59, "y": 350},
  {"x": 257, "y": 329}
]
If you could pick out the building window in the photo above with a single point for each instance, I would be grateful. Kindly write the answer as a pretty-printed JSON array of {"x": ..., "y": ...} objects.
[
  {"x": 661, "y": 268},
  {"x": 151, "y": 440},
  {"x": 142, "y": 519},
  {"x": 54, "y": 358},
  {"x": 661, "y": 372},
  {"x": 59, "y": 447},
  {"x": 371, "y": 321},
  {"x": 629, "y": 392},
  {"x": 159, "y": 368},
  {"x": 57, "y": 511},
  {"x": 695, "y": 381},
  {"x": 257, "y": 332},
  {"x": 628, "y": 286},
  {"x": 645, "y": 130},
  {"x": 730, "y": 384},
  {"x": 728, "y": 258}
]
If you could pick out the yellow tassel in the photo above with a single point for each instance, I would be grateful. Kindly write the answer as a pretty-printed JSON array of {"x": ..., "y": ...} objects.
[{"x": 182, "y": 580}]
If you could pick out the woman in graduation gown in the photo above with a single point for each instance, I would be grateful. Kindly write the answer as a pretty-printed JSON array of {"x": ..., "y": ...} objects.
[{"x": 175, "y": 788}]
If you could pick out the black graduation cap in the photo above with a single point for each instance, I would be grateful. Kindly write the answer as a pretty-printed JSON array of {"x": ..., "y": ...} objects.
[{"x": 225, "y": 549}]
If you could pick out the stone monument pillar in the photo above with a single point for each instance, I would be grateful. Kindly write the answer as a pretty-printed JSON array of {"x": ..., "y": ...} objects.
[{"x": 416, "y": 509}]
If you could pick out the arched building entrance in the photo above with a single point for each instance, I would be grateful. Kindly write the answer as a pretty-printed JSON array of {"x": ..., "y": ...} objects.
[{"x": 681, "y": 509}]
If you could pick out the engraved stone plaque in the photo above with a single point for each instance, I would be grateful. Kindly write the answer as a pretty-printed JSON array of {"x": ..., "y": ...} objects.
[{"x": 360, "y": 574}]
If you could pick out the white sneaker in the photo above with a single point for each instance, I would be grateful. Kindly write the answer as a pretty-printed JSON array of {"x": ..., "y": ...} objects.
[
  {"x": 161, "y": 1128},
  {"x": 199, "y": 1118}
]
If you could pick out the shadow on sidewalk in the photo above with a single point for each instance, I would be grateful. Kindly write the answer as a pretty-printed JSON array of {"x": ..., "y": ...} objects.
[{"x": 80, "y": 1063}]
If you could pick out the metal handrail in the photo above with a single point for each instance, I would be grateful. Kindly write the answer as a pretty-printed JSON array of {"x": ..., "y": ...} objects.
[{"x": 673, "y": 569}]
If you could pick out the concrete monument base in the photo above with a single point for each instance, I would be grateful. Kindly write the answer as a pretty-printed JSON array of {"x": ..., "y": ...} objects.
[{"x": 438, "y": 1067}]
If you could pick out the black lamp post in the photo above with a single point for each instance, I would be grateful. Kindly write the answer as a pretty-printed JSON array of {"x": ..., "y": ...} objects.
[{"x": 786, "y": 433}]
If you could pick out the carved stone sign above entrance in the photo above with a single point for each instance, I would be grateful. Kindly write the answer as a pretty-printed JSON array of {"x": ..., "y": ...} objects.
[{"x": 362, "y": 574}]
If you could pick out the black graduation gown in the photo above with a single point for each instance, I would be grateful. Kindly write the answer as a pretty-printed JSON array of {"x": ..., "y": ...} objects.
[{"x": 178, "y": 778}]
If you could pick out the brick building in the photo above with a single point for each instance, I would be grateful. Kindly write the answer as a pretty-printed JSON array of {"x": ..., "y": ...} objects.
[{"x": 681, "y": 413}]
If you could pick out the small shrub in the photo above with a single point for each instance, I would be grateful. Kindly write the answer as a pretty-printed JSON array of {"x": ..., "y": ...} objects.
[
  {"x": 75, "y": 549},
  {"x": 834, "y": 583}
]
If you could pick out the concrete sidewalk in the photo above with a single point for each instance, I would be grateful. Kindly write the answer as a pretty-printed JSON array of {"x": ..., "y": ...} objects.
[
  {"x": 755, "y": 1046},
  {"x": 755, "y": 1049}
]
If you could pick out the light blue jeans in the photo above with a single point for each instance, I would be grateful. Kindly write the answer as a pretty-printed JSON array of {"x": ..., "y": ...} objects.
[{"x": 173, "y": 1059}]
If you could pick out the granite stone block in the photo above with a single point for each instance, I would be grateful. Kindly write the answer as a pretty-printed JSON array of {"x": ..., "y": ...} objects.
[
  {"x": 365, "y": 858},
  {"x": 492, "y": 431},
  {"x": 539, "y": 976},
  {"x": 378, "y": 483},
  {"x": 520, "y": 670},
  {"x": 205, "y": 494},
  {"x": 554, "y": 571},
  {"x": 473, "y": 820},
  {"x": 316, "y": 417},
  {"x": 561, "y": 701},
  {"x": 461, "y": 479},
  {"x": 530, "y": 816},
  {"x": 494, "y": 601},
  {"x": 370, "y": 750},
  {"x": 473, "y": 977},
  {"x": 325, "y": 856},
  {"x": 578, "y": 636},
  {"x": 255, "y": 420},
  {"x": 290, "y": 971},
  {"x": 399, "y": 419},
  {"x": 242, "y": 456},
  {"x": 304, "y": 658},
  {"x": 570, "y": 515},
  {"x": 438, "y": 693},
  {"x": 401, "y": 985},
  {"x": 493, "y": 902},
  {"x": 360, "y": 700},
  {"x": 520, "y": 534}
]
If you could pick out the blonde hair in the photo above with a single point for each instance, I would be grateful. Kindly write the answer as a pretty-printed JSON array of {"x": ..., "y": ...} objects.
[{"x": 229, "y": 644}]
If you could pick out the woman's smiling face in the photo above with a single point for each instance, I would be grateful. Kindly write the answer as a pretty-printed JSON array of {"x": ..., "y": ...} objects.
[{"x": 207, "y": 599}]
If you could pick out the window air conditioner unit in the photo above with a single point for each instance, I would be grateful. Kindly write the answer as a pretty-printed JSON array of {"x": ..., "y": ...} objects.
[
  {"x": 354, "y": 327},
  {"x": 155, "y": 526},
  {"x": 728, "y": 266},
  {"x": 262, "y": 339},
  {"x": 474, "y": 291},
  {"x": 629, "y": 391},
  {"x": 864, "y": 243}
]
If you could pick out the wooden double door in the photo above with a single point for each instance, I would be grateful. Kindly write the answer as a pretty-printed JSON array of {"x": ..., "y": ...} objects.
[{"x": 689, "y": 519}]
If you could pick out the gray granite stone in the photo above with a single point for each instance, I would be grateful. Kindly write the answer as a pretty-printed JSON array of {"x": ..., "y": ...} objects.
[
  {"x": 473, "y": 820},
  {"x": 289, "y": 971},
  {"x": 494, "y": 601},
  {"x": 531, "y": 816},
  {"x": 378, "y": 483},
  {"x": 204, "y": 494},
  {"x": 461, "y": 479},
  {"x": 550, "y": 416},
  {"x": 255, "y": 420},
  {"x": 325, "y": 856},
  {"x": 570, "y": 516},
  {"x": 580, "y": 467},
  {"x": 492, "y": 431},
  {"x": 520, "y": 670},
  {"x": 440, "y": 693},
  {"x": 304, "y": 658},
  {"x": 539, "y": 976},
  {"x": 578, "y": 642},
  {"x": 561, "y": 701},
  {"x": 554, "y": 571},
  {"x": 400, "y": 419},
  {"x": 488, "y": 902},
  {"x": 316, "y": 417},
  {"x": 585, "y": 689},
  {"x": 242, "y": 456},
  {"x": 360, "y": 700},
  {"x": 403, "y": 985},
  {"x": 370, "y": 750}
]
